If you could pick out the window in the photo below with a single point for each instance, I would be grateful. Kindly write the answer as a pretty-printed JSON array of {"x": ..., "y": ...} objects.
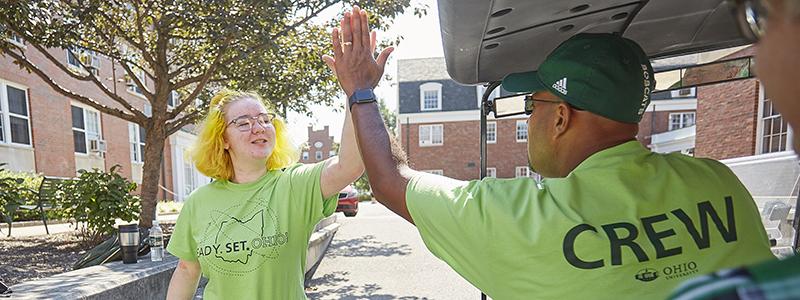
[
  {"x": 491, "y": 172},
  {"x": 431, "y": 135},
  {"x": 132, "y": 86},
  {"x": 331, "y": 153},
  {"x": 318, "y": 155},
  {"x": 430, "y": 96},
  {"x": 136, "y": 136},
  {"x": 85, "y": 127},
  {"x": 775, "y": 134},
  {"x": 190, "y": 181},
  {"x": 15, "y": 126},
  {"x": 491, "y": 132},
  {"x": 77, "y": 56},
  {"x": 522, "y": 130},
  {"x": 437, "y": 172},
  {"x": 680, "y": 120},
  {"x": 527, "y": 172},
  {"x": 522, "y": 172},
  {"x": 683, "y": 93},
  {"x": 305, "y": 155},
  {"x": 16, "y": 39},
  {"x": 173, "y": 99}
]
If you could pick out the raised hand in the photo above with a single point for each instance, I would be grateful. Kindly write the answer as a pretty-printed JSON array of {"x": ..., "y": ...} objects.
[{"x": 353, "y": 47}]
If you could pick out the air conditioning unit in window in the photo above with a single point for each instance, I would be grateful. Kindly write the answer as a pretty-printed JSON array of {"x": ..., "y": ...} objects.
[{"x": 96, "y": 145}]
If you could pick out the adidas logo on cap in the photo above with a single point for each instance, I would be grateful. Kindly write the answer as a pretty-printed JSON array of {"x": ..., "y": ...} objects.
[{"x": 561, "y": 85}]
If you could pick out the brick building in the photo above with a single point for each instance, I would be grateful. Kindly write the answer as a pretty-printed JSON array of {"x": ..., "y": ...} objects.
[
  {"x": 42, "y": 131},
  {"x": 319, "y": 147},
  {"x": 439, "y": 125},
  {"x": 738, "y": 125}
]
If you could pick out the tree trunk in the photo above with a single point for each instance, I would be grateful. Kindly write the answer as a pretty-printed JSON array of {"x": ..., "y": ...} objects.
[{"x": 153, "y": 155}]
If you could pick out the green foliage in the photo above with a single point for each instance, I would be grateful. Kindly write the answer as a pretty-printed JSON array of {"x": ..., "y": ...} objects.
[
  {"x": 97, "y": 199},
  {"x": 16, "y": 188},
  {"x": 192, "y": 47}
]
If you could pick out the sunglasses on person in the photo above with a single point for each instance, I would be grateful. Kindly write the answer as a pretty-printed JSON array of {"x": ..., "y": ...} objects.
[
  {"x": 245, "y": 123},
  {"x": 751, "y": 16},
  {"x": 529, "y": 103}
]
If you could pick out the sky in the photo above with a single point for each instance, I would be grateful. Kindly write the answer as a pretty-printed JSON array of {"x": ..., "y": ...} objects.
[{"x": 421, "y": 38}]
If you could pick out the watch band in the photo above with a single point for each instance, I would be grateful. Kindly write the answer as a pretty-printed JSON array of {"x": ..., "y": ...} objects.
[{"x": 361, "y": 96}]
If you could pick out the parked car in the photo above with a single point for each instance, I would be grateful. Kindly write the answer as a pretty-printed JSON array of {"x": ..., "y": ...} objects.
[{"x": 348, "y": 202}]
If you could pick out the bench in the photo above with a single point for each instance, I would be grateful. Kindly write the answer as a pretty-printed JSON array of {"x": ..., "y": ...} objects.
[{"x": 44, "y": 199}]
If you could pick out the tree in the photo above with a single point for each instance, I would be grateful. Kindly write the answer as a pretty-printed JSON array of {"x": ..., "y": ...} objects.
[{"x": 192, "y": 47}]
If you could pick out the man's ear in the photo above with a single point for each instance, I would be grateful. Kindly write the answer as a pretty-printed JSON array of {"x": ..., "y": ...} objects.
[{"x": 562, "y": 118}]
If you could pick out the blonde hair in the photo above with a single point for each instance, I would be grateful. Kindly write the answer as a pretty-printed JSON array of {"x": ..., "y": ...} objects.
[{"x": 209, "y": 154}]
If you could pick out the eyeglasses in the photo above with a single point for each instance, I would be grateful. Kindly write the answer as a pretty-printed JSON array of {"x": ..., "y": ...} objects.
[
  {"x": 751, "y": 16},
  {"x": 245, "y": 123},
  {"x": 529, "y": 106}
]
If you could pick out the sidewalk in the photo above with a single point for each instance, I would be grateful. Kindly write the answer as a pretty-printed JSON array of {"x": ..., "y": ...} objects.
[{"x": 58, "y": 228}]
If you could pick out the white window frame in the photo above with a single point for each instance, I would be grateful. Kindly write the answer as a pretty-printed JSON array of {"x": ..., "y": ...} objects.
[
  {"x": 135, "y": 143},
  {"x": 681, "y": 117},
  {"x": 429, "y": 140},
  {"x": 85, "y": 110},
  {"x": 760, "y": 126},
  {"x": 526, "y": 171},
  {"x": 435, "y": 172},
  {"x": 430, "y": 87},
  {"x": 491, "y": 172},
  {"x": 318, "y": 155},
  {"x": 522, "y": 171},
  {"x": 176, "y": 100},
  {"x": 480, "y": 89},
  {"x": 517, "y": 131},
  {"x": 677, "y": 93},
  {"x": 491, "y": 132},
  {"x": 305, "y": 155},
  {"x": 6, "y": 114},
  {"x": 17, "y": 40},
  {"x": 133, "y": 88}
]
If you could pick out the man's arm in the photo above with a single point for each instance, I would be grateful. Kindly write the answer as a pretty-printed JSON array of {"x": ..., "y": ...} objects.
[
  {"x": 383, "y": 159},
  {"x": 356, "y": 68}
]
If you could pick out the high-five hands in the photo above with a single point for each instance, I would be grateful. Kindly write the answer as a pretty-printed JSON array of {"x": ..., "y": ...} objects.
[{"x": 353, "y": 61}]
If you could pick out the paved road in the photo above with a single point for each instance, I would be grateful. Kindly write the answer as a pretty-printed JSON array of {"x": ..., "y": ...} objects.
[{"x": 378, "y": 255}]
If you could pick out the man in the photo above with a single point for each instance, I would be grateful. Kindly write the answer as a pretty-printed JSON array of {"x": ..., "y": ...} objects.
[
  {"x": 777, "y": 26},
  {"x": 611, "y": 219}
]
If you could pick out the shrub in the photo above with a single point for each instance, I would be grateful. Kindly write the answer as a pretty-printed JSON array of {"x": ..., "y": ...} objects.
[
  {"x": 16, "y": 188},
  {"x": 97, "y": 199}
]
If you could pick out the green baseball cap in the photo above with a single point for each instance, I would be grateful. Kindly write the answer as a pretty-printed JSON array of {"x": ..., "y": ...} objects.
[{"x": 602, "y": 73}]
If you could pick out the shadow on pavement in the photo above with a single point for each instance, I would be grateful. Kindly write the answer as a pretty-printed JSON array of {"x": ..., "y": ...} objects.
[
  {"x": 366, "y": 246},
  {"x": 348, "y": 292}
]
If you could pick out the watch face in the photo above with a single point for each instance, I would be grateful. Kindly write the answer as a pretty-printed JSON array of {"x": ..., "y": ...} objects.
[{"x": 364, "y": 95}]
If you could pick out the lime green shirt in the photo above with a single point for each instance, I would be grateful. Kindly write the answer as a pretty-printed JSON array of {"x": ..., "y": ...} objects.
[
  {"x": 626, "y": 223},
  {"x": 251, "y": 239}
]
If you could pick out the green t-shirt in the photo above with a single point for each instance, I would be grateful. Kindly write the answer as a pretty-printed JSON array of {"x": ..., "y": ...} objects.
[
  {"x": 626, "y": 223},
  {"x": 251, "y": 239}
]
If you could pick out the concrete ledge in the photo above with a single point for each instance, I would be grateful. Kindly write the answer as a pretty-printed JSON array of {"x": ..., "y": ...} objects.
[
  {"x": 115, "y": 280},
  {"x": 145, "y": 279}
]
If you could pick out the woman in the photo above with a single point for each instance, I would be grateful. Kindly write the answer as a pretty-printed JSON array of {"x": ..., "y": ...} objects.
[{"x": 248, "y": 230}]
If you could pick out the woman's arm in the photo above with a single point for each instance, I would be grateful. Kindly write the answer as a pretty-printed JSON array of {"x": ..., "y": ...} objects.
[
  {"x": 183, "y": 284},
  {"x": 345, "y": 168}
]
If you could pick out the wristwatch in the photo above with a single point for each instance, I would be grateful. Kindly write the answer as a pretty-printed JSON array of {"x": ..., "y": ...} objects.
[{"x": 362, "y": 96}]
